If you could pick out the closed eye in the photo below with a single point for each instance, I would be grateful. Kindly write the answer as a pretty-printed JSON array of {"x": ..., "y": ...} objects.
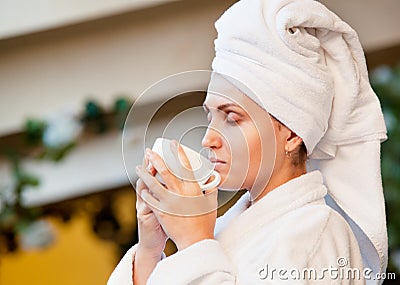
[{"x": 232, "y": 118}]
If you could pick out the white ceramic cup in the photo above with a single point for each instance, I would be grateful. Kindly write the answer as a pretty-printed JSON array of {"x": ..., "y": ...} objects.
[{"x": 202, "y": 168}]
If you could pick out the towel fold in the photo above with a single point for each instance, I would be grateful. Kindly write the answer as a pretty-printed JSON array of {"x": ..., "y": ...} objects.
[{"x": 306, "y": 67}]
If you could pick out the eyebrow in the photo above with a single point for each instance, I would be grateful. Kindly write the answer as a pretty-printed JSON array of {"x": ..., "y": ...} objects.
[{"x": 222, "y": 107}]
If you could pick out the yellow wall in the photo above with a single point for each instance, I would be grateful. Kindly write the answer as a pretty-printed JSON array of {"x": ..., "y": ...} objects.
[{"x": 76, "y": 257}]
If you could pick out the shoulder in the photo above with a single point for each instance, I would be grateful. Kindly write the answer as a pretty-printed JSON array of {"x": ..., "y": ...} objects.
[
  {"x": 308, "y": 229},
  {"x": 318, "y": 234},
  {"x": 313, "y": 222}
]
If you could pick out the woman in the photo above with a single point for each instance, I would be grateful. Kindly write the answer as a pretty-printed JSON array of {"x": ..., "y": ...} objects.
[{"x": 298, "y": 64}]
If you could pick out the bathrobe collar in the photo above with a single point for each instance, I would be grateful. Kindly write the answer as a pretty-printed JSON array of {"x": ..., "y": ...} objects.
[{"x": 243, "y": 218}]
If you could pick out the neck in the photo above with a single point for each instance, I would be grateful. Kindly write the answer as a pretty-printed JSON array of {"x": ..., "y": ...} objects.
[{"x": 279, "y": 177}]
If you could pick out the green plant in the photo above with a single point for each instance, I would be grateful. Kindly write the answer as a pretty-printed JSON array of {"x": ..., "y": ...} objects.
[
  {"x": 386, "y": 83},
  {"x": 51, "y": 140}
]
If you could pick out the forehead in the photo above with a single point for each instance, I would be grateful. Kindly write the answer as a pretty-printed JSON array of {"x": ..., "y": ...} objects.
[
  {"x": 238, "y": 100},
  {"x": 241, "y": 103},
  {"x": 221, "y": 91},
  {"x": 226, "y": 90},
  {"x": 214, "y": 100}
]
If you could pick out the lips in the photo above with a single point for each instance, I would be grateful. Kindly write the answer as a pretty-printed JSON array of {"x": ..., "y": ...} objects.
[
  {"x": 216, "y": 160},
  {"x": 219, "y": 164}
]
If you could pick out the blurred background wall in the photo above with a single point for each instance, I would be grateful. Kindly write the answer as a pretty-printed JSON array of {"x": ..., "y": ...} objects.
[{"x": 57, "y": 55}]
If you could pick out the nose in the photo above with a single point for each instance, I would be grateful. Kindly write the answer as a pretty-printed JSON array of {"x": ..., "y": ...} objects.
[{"x": 212, "y": 138}]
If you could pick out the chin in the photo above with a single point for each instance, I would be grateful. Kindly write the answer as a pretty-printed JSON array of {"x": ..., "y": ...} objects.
[
  {"x": 232, "y": 178},
  {"x": 230, "y": 184}
]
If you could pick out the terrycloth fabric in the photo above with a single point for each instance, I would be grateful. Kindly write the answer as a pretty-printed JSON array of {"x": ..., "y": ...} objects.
[
  {"x": 290, "y": 228},
  {"x": 122, "y": 274},
  {"x": 306, "y": 67}
]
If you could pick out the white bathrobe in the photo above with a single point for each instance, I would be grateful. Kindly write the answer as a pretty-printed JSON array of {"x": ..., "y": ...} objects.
[{"x": 287, "y": 234}]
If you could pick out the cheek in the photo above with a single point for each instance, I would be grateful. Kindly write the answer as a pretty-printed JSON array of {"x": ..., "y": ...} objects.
[
  {"x": 262, "y": 158},
  {"x": 243, "y": 146},
  {"x": 235, "y": 173},
  {"x": 255, "y": 153},
  {"x": 253, "y": 158}
]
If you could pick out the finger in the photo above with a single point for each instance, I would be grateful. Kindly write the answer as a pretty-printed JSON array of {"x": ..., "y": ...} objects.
[
  {"x": 148, "y": 165},
  {"x": 141, "y": 206},
  {"x": 152, "y": 184},
  {"x": 152, "y": 203},
  {"x": 183, "y": 161},
  {"x": 158, "y": 163},
  {"x": 139, "y": 186},
  {"x": 139, "y": 183},
  {"x": 138, "y": 198}
]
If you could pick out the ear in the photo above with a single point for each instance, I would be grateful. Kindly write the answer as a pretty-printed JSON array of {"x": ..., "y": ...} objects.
[
  {"x": 293, "y": 141},
  {"x": 287, "y": 137}
]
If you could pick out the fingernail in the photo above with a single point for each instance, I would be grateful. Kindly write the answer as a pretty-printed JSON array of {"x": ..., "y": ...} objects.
[
  {"x": 148, "y": 152},
  {"x": 137, "y": 168}
]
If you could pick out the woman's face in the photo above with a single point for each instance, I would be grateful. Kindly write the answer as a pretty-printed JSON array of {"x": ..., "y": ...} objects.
[{"x": 241, "y": 137}]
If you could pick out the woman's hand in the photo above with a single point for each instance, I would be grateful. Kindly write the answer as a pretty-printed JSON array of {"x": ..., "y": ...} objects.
[
  {"x": 152, "y": 237},
  {"x": 185, "y": 213}
]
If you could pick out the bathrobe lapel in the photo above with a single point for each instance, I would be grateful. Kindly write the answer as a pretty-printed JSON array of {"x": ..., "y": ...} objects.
[{"x": 243, "y": 220}]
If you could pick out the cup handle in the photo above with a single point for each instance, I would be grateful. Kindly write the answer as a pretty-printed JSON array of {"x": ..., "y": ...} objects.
[{"x": 212, "y": 184}]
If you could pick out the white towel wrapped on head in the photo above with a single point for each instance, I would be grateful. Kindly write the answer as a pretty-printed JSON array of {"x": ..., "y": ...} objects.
[{"x": 306, "y": 67}]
